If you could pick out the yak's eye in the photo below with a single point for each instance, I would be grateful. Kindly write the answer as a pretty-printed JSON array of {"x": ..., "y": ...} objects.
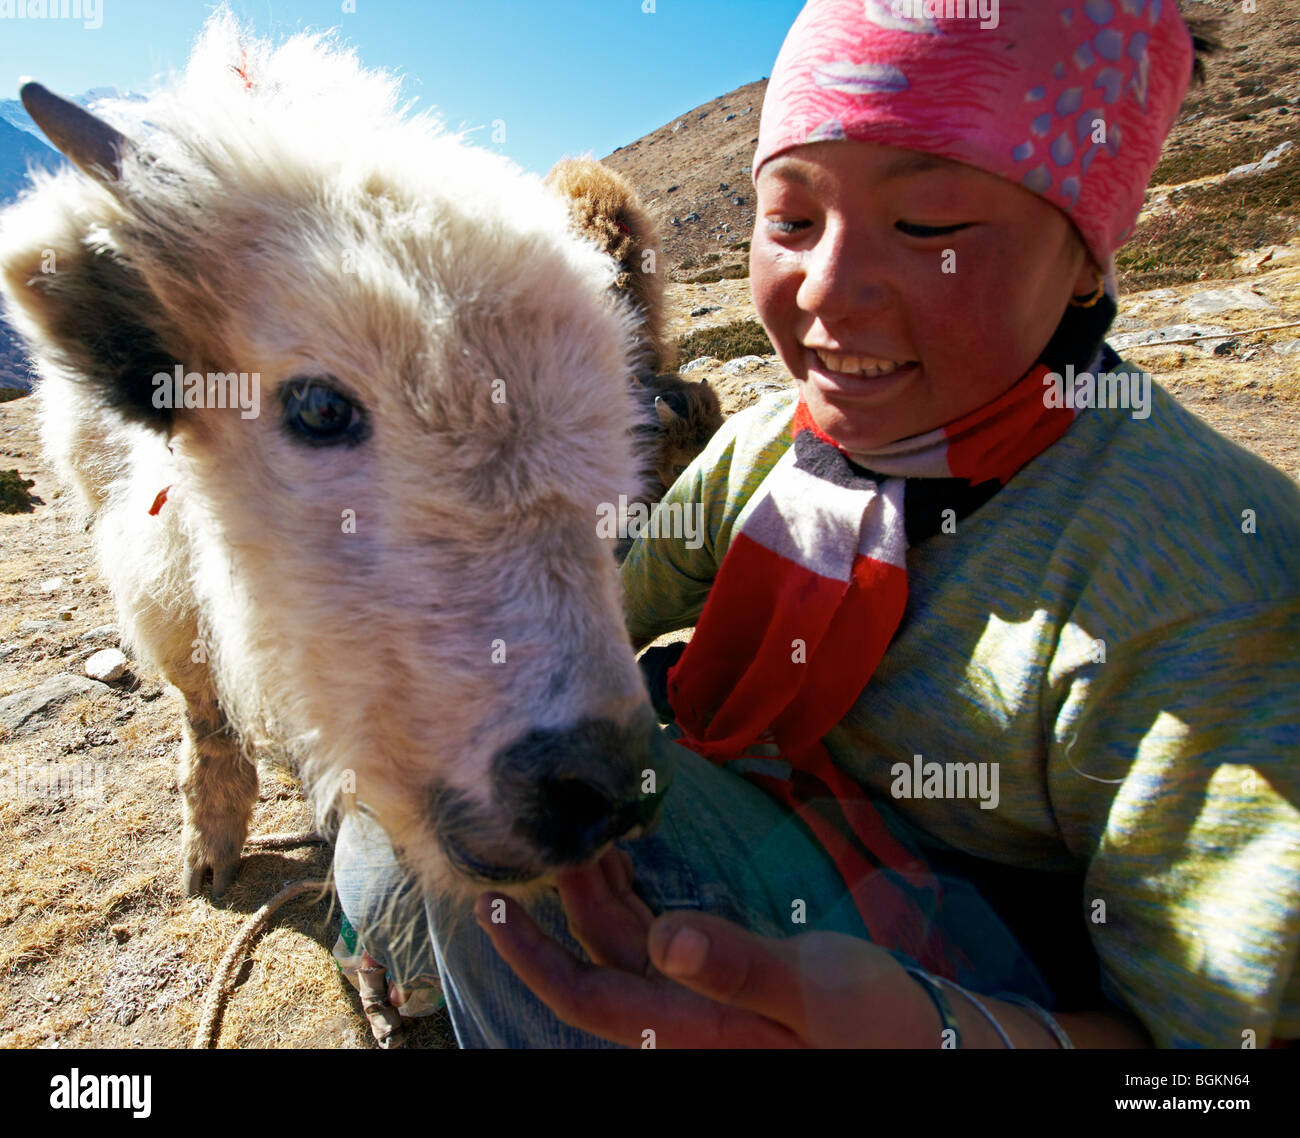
[{"x": 319, "y": 413}]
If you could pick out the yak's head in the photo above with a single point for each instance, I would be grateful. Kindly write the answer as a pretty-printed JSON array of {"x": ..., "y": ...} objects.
[{"x": 392, "y": 532}]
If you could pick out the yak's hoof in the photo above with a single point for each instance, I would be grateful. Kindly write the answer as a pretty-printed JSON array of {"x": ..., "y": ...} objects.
[{"x": 223, "y": 875}]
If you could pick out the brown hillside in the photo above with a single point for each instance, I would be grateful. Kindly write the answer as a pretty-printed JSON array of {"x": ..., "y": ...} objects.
[{"x": 697, "y": 166}]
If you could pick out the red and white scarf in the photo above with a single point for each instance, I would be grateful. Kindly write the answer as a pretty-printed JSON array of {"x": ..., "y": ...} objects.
[{"x": 806, "y": 601}]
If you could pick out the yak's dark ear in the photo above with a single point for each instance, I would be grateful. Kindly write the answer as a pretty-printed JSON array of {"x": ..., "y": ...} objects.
[
  {"x": 93, "y": 146},
  {"x": 79, "y": 303},
  {"x": 101, "y": 323}
]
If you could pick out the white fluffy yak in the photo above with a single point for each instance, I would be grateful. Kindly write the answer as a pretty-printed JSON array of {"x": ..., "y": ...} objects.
[{"x": 388, "y": 563}]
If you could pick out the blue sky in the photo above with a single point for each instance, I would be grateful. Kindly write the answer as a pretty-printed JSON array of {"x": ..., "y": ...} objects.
[{"x": 565, "y": 76}]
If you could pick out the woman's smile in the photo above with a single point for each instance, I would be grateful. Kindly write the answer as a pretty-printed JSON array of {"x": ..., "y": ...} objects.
[{"x": 857, "y": 379}]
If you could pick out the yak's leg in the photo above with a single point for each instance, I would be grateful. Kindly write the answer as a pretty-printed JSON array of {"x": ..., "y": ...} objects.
[{"x": 219, "y": 786}]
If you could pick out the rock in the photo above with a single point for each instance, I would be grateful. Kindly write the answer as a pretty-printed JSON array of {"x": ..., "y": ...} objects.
[
  {"x": 19, "y": 711},
  {"x": 692, "y": 216},
  {"x": 51, "y": 584},
  {"x": 1166, "y": 295},
  {"x": 65, "y": 614},
  {"x": 1215, "y": 300},
  {"x": 1225, "y": 347},
  {"x": 1125, "y": 340},
  {"x": 723, "y": 187},
  {"x": 763, "y": 387},
  {"x": 743, "y": 364},
  {"x": 7, "y": 650},
  {"x": 1287, "y": 347},
  {"x": 102, "y": 632},
  {"x": 1270, "y": 161},
  {"x": 737, "y": 200},
  {"x": 34, "y": 625},
  {"x": 1271, "y": 255},
  {"x": 729, "y": 117},
  {"x": 677, "y": 221},
  {"x": 705, "y": 309},
  {"x": 106, "y": 665},
  {"x": 698, "y": 365}
]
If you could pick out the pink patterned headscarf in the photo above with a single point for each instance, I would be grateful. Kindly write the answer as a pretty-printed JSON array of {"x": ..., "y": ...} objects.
[{"x": 1019, "y": 94}]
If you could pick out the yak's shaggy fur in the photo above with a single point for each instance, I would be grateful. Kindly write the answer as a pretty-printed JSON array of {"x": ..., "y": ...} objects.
[
  {"x": 418, "y": 609},
  {"x": 677, "y": 418},
  {"x": 607, "y": 210}
]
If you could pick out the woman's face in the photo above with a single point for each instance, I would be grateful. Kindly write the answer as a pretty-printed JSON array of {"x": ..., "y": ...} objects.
[{"x": 868, "y": 257}]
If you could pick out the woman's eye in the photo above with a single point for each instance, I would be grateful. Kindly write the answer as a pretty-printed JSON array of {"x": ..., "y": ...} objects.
[
  {"x": 320, "y": 414},
  {"x": 929, "y": 230},
  {"x": 787, "y": 227}
]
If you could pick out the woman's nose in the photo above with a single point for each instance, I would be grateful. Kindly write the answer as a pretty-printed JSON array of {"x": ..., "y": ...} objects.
[{"x": 843, "y": 275}]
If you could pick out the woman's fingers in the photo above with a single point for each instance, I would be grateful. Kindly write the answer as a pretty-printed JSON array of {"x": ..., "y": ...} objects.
[
  {"x": 614, "y": 1004},
  {"x": 727, "y": 963},
  {"x": 605, "y": 915}
]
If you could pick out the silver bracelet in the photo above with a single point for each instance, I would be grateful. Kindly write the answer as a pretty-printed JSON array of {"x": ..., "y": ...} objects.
[
  {"x": 947, "y": 1020},
  {"x": 1042, "y": 1015},
  {"x": 1006, "y": 1039}
]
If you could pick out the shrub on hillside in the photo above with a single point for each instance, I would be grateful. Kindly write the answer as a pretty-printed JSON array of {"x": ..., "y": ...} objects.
[{"x": 726, "y": 342}]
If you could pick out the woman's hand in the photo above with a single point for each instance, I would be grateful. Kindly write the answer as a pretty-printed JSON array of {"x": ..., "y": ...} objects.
[{"x": 687, "y": 979}]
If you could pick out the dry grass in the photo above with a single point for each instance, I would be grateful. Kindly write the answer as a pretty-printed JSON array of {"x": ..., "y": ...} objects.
[
  {"x": 734, "y": 272},
  {"x": 728, "y": 342},
  {"x": 1201, "y": 160},
  {"x": 1210, "y": 225}
]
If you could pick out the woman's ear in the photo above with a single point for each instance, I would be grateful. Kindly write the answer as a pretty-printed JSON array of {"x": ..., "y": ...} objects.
[{"x": 1085, "y": 284}]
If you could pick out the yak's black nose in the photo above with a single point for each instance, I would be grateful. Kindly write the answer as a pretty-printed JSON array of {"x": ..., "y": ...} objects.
[{"x": 572, "y": 790}]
